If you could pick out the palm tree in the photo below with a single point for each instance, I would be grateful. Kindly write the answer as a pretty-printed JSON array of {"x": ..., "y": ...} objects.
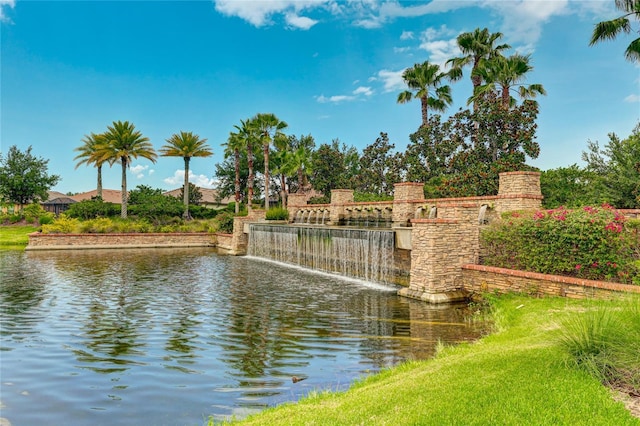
[
  {"x": 268, "y": 128},
  {"x": 609, "y": 30},
  {"x": 301, "y": 160},
  {"x": 234, "y": 146},
  {"x": 186, "y": 145},
  {"x": 122, "y": 142},
  {"x": 476, "y": 47},
  {"x": 89, "y": 155},
  {"x": 421, "y": 78},
  {"x": 247, "y": 138},
  {"x": 505, "y": 74}
]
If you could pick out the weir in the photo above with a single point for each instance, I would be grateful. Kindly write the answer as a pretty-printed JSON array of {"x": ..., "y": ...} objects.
[{"x": 366, "y": 254}]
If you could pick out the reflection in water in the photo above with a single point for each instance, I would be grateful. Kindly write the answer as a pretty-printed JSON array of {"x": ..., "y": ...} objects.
[{"x": 173, "y": 336}]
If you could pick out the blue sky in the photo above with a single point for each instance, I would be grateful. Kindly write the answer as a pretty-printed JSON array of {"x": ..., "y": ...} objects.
[{"x": 328, "y": 68}]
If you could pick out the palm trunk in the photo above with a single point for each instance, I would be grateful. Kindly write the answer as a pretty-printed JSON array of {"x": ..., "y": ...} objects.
[
  {"x": 123, "y": 207},
  {"x": 265, "y": 150},
  {"x": 236, "y": 153},
  {"x": 185, "y": 190},
  {"x": 250, "y": 177},
  {"x": 283, "y": 192},
  {"x": 300, "y": 180},
  {"x": 99, "y": 186},
  {"x": 425, "y": 110},
  {"x": 506, "y": 98}
]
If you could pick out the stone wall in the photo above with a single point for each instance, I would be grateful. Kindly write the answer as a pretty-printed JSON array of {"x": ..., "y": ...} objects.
[
  {"x": 339, "y": 199},
  {"x": 39, "y": 241},
  {"x": 480, "y": 278},
  {"x": 405, "y": 197}
]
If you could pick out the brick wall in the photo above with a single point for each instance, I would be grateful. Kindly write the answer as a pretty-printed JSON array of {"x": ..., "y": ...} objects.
[
  {"x": 405, "y": 197},
  {"x": 38, "y": 241}
]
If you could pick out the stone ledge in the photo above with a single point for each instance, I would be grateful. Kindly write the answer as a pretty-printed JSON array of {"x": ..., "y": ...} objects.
[{"x": 435, "y": 298}]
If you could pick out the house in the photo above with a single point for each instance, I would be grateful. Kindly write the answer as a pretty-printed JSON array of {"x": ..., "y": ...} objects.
[
  {"x": 58, "y": 205},
  {"x": 209, "y": 198},
  {"x": 108, "y": 196}
]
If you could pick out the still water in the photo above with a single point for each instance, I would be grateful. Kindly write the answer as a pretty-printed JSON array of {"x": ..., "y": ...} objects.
[{"x": 173, "y": 336}]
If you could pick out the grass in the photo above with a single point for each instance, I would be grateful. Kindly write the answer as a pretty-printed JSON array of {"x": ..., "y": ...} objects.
[
  {"x": 15, "y": 237},
  {"x": 521, "y": 374}
]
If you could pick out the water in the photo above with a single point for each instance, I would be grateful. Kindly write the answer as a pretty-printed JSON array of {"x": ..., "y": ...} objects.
[
  {"x": 173, "y": 336},
  {"x": 357, "y": 253}
]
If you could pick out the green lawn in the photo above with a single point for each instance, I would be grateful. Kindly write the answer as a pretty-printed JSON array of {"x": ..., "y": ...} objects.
[
  {"x": 519, "y": 375},
  {"x": 15, "y": 237}
]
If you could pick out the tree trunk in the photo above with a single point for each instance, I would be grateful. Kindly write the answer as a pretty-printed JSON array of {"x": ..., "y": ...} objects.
[
  {"x": 250, "y": 177},
  {"x": 236, "y": 153},
  {"x": 123, "y": 188},
  {"x": 265, "y": 150},
  {"x": 425, "y": 110},
  {"x": 506, "y": 98},
  {"x": 99, "y": 186},
  {"x": 185, "y": 190},
  {"x": 283, "y": 191}
]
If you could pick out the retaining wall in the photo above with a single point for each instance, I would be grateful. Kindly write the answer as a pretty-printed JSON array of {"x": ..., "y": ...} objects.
[{"x": 38, "y": 241}]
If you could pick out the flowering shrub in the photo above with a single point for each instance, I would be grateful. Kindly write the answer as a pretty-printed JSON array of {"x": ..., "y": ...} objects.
[{"x": 590, "y": 242}]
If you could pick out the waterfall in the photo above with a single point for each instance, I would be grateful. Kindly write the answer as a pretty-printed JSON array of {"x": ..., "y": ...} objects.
[{"x": 357, "y": 253}]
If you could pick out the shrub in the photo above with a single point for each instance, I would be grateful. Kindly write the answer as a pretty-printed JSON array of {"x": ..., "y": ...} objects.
[
  {"x": 590, "y": 242},
  {"x": 46, "y": 219},
  {"x": 225, "y": 222},
  {"x": 62, "y": 225},
  {"x": 201, "y": 212},
  {"x": 91, "y": 209},
  {"x": 277, "y": 213}
]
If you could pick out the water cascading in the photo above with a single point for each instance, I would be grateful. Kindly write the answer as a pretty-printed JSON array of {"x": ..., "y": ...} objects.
[{"x": 357, "y": 253}]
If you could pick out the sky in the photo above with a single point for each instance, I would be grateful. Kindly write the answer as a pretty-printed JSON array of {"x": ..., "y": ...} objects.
[{"x": 329, "y": 68}]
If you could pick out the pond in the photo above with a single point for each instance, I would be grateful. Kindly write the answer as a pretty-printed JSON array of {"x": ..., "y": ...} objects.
[{"x": 174, "y": 336}]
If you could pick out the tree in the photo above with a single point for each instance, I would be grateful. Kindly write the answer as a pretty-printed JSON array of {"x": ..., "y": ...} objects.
[
  {"x": 247, "y": 134},
  {"x": 379, "y": 167},
  {"x": 124, "y": 143},
  {"x": 609, "y": 30},
  {"x": 335, "y": 166},
  {"x": 503, "y": 75},
  {"x": 268, "y": 128},
  {"x": 89, "y": 154},
  {"x": 476, "y": 47},
  {"x": 301, "y": 159},
  {"x": 421, "y": 78},
  {"x": 186, "y": 145},
  {"x": 24, "y": 178},
  {"x": 570, "y": 187},
  {"x": 194, "y": 194},
  {"x": 618, "y": 165},
  {"x": 234, "y": 146}
]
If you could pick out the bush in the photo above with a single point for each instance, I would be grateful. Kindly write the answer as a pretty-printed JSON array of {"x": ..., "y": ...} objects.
[
  {"x": 91, "y": 209},
  {"x": 201, "y": 212},
  {"x": 62, "y": 225},
  {"x": 592, "y": 242},
  {"x": 277, "y": 213},
  {"x": 46, "y": 219},
  {"x": 225, "y": 222}
]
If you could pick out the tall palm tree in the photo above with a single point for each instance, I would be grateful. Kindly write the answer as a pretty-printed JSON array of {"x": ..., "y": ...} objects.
[
  {"x": 609, "y": 30},
  {"x": 248, "y": 137},
  {"x": 186, "y": 145},
  {"x": 421, "y": 78},
  {"x": 123, "y": 143},
  {"x": 268, "y": 127},
  {"x": 301, "y": 160},
  {"x": 504, "y": 75},
  {"x": 234, "y": 146},
  {"x": 89, "y": 154},
  {"x": 476, "y": 46}
]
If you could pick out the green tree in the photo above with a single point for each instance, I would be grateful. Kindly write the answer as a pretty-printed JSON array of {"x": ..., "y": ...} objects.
[
  {"x": 268, "y": 128},
  {"x": 151, "y": 203},
  {"x": 235, "y": 146},
  {"x": 421, "y": 78},
  {"x": 476, "y": 47},
  {"x": 186, "y": 145},
  {"x": 194, "y": 194},
  {"x": 380, "y": 168},
  {"x": 335, "y": 166},
  {"x": 570, "y": 187},
  {"x": 299, "y": 162},
  {"x": 24, "y": 177},
  {"x": 89, "y": 154},
  {"x": 122, "y": 144},
  {"x": 609, "y": 30},
  {"x": 505, "y": 74},
  {"x": 247, "y": 133},
  {"x": 618, "y": 165}
]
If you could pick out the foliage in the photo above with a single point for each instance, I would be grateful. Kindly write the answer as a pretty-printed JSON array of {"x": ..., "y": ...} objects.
[
  {"x": 379, "y": 168},
  {"x": 195, "y": 195},
  {"x": 421, "y": 78},
  {"x": 202, "y": 212},
  {"x": 24, "y": 178},
  {"x": 362, "y": 197},
  {"x": 277, "y": 213},
  {"x": 335, "y": 166},
  {"x": 225, "y": 222},
  {"x": 102, "y": 225},
  {"x": 62, "y": 225},
  {"x": 151, "y": 204},
  {"x": 591, "y": 242},
  {"x": 609, "y": 30},
  {"x": 90, "y": 209},
  {"x": 569, "y": 186}
]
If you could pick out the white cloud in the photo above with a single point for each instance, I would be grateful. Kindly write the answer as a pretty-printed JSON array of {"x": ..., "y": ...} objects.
[
  {"x": 260, "y": 12},
  {"x": 3, "y": 3},
  {"x": 392, "y": 80},
  {"x": 177, "y": 180},
  {"x": 406, "y": 35},
  {"x": 301, "y": 22},
  {"x": 363, "y": 91},
  {"x": 139, "y": 170},
  {"x": 633, "y": 98},
  {"x": 358, "y": 94}
]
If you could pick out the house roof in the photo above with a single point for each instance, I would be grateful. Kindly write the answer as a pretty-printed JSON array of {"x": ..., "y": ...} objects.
[
  {"x": 55, "y": 194},
  {"x": 209, "y": 196},
  {"x": 108, "y": 195},
  {"x": 60, "y": 200}
]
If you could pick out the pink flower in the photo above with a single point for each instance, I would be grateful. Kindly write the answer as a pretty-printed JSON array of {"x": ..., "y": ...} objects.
[{"x": 578, "y": 267}]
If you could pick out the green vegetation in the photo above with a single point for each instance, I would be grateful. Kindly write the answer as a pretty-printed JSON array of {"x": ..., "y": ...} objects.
[
  {"x": 609, "y": 30},
  {"x": 591, "y": 242},
  {"x": 522, "y": 374},
  {"x": 15, "y": 237},
  {"x": 277, "y": 213},
  {"x": 64, "y": 224},
  {"x": 24, "y": 178}
]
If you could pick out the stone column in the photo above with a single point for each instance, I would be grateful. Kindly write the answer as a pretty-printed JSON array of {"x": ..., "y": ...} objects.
[
  {"x": 439, "y": 249},
  {"x": 519, "y": 191},
  {"x": 295, "y": 203},
  {"x": 339, "y": 197},
  {"x": 405, "y": 196}
]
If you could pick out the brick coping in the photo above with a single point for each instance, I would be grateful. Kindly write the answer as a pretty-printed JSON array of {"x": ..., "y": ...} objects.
[{"x": 605, "y": 285}]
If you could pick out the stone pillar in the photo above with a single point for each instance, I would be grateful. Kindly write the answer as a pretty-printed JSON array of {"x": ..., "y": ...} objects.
[
  {"x": 339, "y": 197},
  {"x": 518, "y": 191},
  {"x": 439, "y": 249},
  {"x": 240, "y": 239},
  {"x": 295, "y": 203},
  {"x": 405, "y": 197}
]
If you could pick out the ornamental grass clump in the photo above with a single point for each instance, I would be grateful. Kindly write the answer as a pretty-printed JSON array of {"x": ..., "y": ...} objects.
[{"x": 596, "y": 243}]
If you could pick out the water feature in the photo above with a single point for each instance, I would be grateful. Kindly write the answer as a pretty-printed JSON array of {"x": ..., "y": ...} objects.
[
  {"x": 359, "y": 253},
  {"x": 172, "y": 336}
]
